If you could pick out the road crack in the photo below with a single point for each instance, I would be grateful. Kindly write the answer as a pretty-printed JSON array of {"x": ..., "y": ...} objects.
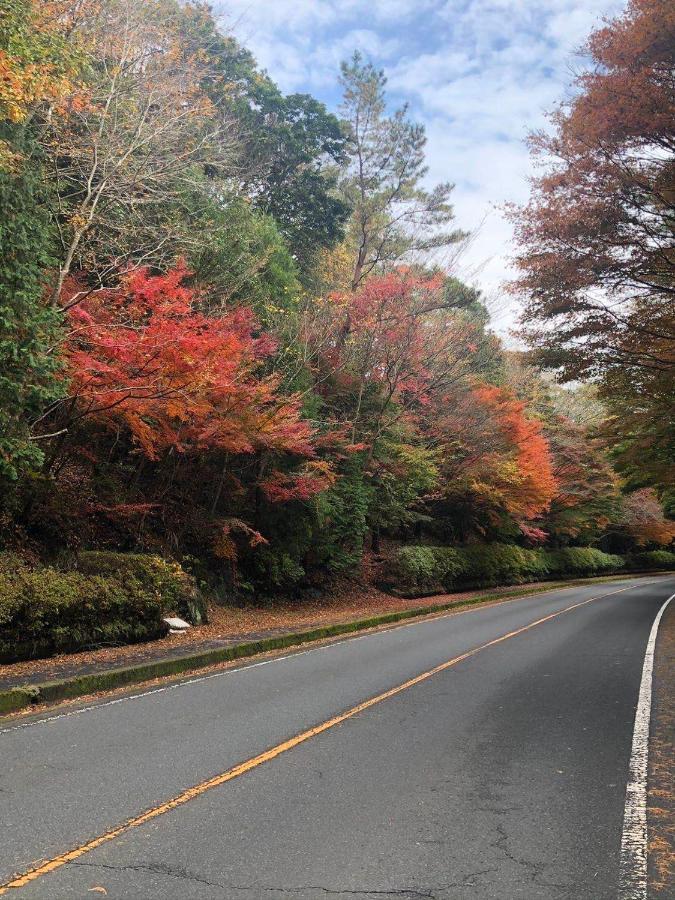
[
  {"x": 536, "y": 873},
  {"x": 175, "y": 872},
  {"x": 155, "y": 868}
]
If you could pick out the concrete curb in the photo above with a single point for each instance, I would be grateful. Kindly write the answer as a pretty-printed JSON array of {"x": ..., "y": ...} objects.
[
  {"x": 24, "y": 696},
  {"x": 18, "y": 698}
]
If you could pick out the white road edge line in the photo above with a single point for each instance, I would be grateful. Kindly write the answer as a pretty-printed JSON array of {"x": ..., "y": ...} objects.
[
  {"x": 634, "y": 844},
  {"x": 47, "y": 720}
]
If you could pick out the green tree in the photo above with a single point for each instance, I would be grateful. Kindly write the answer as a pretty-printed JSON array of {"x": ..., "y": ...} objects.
[
  {"x": 393, "y": 216},
  {"x": 298, "y": 147},
  {"x": 291, "y": 147},
  {"x": 29, "y": 327},
  {"x": 242, "y": 257},
  {"x": 404, "y": 473}
]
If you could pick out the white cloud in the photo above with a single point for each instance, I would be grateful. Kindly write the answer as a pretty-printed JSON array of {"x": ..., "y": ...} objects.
[{"x": 479, "y": 73}]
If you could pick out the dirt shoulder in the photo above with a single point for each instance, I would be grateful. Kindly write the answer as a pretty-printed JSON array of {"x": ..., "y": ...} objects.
[{"x": 661, "y": 782}]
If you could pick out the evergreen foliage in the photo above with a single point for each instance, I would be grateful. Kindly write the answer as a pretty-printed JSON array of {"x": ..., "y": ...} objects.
[{"x": 30, "y": 329}]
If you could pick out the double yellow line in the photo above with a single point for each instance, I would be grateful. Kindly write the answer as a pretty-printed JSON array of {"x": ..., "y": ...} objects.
[{"x": 19, "y": 881}]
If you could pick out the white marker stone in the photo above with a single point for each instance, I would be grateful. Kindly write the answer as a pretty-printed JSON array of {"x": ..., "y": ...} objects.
[{"x": 176, "y": 624}]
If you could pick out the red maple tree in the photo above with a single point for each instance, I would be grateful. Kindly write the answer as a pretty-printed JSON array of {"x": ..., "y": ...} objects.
[{"x": 144, "y": 356}]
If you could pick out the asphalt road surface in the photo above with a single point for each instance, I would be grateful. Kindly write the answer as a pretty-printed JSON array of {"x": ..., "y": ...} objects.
[{"x": 500, "y": 775}]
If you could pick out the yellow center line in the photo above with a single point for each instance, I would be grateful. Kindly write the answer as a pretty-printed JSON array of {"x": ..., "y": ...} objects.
[{"x": 19, "y": 881}]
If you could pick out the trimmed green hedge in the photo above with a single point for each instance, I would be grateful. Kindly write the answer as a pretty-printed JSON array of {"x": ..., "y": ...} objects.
[
  {"x": 111, "y": 599},
  {"x": 492, "y": 564},
  {"x": 583, "y": 561},
  {"x": 427, "y": 569},
  {"x": 45, "y": 611},
  {"x": 167, "y": 581},
  {"x": 652, "y": 559},
  {"x": 432, "y": 569}
]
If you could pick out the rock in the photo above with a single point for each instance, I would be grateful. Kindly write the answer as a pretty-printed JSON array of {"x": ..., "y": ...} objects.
[{"x": 176, "y": 625}]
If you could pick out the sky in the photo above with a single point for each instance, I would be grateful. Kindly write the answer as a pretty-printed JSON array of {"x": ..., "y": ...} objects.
[{"x": 479, "y": 74}]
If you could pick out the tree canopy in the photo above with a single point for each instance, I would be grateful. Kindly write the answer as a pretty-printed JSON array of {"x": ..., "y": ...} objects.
[{"x": 596, "y": 258}]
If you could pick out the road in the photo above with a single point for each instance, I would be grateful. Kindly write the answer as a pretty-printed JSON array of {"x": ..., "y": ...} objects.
[{"x": 500, "y": 775}]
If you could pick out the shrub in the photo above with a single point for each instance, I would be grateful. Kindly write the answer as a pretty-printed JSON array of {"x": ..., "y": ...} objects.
[
  {"x": 652, "y": 559},
  {"x": 45, "y": 611},
  {"x": 536, "y": 565},
  {"x": 172, "y": 587},
  {"x": 492, "y": 564},
  {"x": 11, "y": 563},
  {"x": 425, "y": 569},
  {"x": 275, "y": 571},
  {"x": 582, "y": 561}
]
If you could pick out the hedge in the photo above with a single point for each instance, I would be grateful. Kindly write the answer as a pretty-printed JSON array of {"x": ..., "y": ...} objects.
[
  {"x": 421, "y": 569},
  {"x": 426, "y": 569},
  {"x": 44, "y": 611},
  {"x": 583, "y": 561},
  {"x": 174, "y": 589},
  {"x": 492, "y": 564},
  {"x": 110, "y": 599},
  {"x": 652, "y": 559}
]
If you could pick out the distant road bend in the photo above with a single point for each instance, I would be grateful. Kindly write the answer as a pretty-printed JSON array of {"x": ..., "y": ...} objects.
[{"x": 484, "y": 754}]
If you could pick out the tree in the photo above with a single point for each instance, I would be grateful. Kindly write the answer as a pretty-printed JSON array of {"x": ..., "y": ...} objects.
[
  {"x": 405, "y": 346},
  {"x": 29, "y": 328},
  {"x": 242, "y": 258},
  {"x": 496, "y": 469},
  {"x": 171, "y": 424},
  {"x": 639, "y": 428},
  {"x": 401, "y": 383},
  {"x": 143, "y": 356},
  {"x": 644, "y": 519},
  {"x": 407, "y": 473},
  {"x": 290, "y": 150},
  {"x": 596, "y": 240},
  {"x": 298, "y": 149},
  {"x": 597, "y": 236},
  {"x": 37, "y": 65},
  {"x": 393, "y": 215},
  {"x": 587, "y": 498},
  {"x": 140, "y": 132},
  {"x": 586, "y": 501}
]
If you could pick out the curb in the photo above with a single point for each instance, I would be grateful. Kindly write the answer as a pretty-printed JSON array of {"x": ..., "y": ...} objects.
[
  {"x": 18, "y": 698},
  {"x": 24, "y": 696}
]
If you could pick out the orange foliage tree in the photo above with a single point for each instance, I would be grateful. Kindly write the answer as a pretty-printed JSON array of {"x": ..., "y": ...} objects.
[
  {"x": 38, "y": 64},
  {"x": 596, "y": 261},
  {"x": 496, "y": 461},
  {"x": 596, "y": 256},
  {"x": 645, "y": 521}
]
